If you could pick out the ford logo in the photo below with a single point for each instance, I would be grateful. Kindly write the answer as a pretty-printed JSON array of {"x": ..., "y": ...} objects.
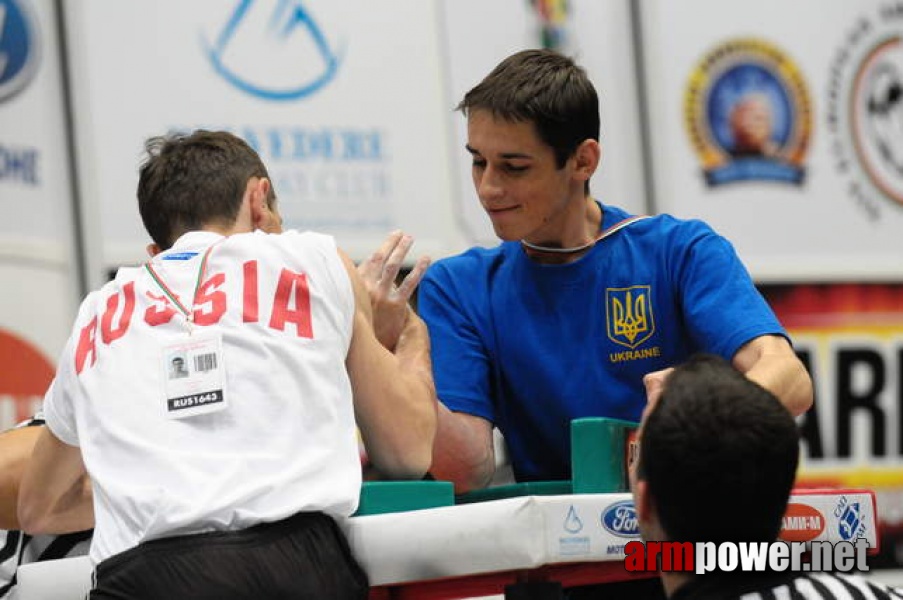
[{"x": 620, "y": 519}]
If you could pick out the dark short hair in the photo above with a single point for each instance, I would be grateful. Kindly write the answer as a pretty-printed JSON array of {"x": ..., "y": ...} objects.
[
  {"x": 191, "y": 180},
  {"x": 719, "y": 454},
  {"x": 545, "y": 88}
]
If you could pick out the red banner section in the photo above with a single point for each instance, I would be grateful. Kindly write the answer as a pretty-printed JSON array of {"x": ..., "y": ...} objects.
[{"x": 24, "y": 378}]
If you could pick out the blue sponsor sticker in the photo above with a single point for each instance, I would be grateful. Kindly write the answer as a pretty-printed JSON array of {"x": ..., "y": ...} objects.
[
  {"x": 179, "y": 256},
  {"x": 850, "y": 521},
  {"x": 620, "y": 519},
  {"x": 572, "y": 522}
]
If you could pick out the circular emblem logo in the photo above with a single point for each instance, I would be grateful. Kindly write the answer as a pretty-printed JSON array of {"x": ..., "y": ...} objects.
[
  {"x": 876, "y": 116},
  {"x": 748, "y": 115},
  {"x": 19, "y": 47},
  {"x": 864, "y": 110}
]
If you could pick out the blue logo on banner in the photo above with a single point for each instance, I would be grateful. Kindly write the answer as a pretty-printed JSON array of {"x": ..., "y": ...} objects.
[
  {"x": 19, "y": 48},
  {"x": 572, "y": 522},
  {"x": 620, "y": 519},
  {"x": 850, "y": 521},
  {"x": 291, "y": 29}
]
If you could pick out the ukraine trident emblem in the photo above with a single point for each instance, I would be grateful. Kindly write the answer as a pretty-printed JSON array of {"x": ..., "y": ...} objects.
[{"x": 629, "y": 315}]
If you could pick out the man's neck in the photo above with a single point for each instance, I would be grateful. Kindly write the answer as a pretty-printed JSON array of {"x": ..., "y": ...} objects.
[{"x": 583, "y": 235}]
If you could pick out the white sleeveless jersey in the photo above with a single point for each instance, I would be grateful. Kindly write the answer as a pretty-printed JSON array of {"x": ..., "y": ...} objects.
[{"x": 286, "y": 440}]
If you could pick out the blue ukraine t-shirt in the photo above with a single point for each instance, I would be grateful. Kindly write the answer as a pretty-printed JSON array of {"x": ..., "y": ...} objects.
[{"x": 532, "y": 346}]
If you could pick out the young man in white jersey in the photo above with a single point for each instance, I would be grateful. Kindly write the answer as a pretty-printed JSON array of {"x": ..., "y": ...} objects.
[
  {"x": 717, "y": 459},
  {"x": 225, "y": 483},
  {"x": 16, "y": 547}
]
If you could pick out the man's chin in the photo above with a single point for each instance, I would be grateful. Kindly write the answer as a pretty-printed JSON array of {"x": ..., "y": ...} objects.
[{"x": 505, "y": 234}]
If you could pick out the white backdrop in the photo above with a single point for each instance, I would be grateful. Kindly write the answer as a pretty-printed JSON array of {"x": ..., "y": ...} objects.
[
  {"x": 375, "y": 147},
  {"x": 835, "y": 225},
  {"x": 38, "y": 268},
  {"x": 356, "y": 147}
]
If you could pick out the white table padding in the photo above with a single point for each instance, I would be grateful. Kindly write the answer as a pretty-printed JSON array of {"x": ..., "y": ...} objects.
[
  {"x": 62, "y": 579},
  {"x": 471, "y": 539}
]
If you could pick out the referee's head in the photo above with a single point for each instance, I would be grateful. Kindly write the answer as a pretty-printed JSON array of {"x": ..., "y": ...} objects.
[{"x": 718, "y": 457}]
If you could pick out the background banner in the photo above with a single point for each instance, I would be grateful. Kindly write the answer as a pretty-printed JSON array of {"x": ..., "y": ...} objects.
[
  {"x": 850, "y": 336},
  {"x": 38, "y": 261},
  {"x": 781, "y": 124},
  {"x": 342, "y": 99}
]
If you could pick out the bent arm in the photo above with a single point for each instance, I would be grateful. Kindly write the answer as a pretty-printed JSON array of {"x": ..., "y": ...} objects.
[
  {"x": 770, "y": 361},
  {"x": 463, "y": 452},
  {"x": 55, "y": 493},
  {"x": 16, "y": 446},
  {"x": 394, "y": 396}
]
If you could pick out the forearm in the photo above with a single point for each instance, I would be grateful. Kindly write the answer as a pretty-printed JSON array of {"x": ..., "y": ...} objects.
[
  {"x": 15, "y": 450},
  {"x": 463, "y": 452},
  {"x": 394, "y": 396},
  {"x": 55, "y": 494},
  {"x": 771, "y": 362},
  {"x": 399, "y": 440},
  {"x": 412, "y": 352},
  {"x": 72, "y": 511},
  {"x": 787, "y": 380},
  {"x": 397, "y": 413},
  {"x": 9, "y": 495}
]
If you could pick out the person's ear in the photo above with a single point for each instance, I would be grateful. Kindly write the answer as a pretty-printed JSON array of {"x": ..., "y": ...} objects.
[
  {"x": 259, "y": 191},
  {"x": 654, "y": 382},
  {"x": 587, "y": 158},
  {"x": 153, "y": 249},
  {"x": 642, "y": 501}
]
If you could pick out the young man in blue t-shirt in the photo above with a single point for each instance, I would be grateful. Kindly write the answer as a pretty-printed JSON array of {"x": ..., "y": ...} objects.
[{"x": 580, "y": 300}]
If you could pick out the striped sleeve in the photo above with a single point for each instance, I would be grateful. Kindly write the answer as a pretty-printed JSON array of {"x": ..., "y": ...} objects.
[
  {"x": 838, "y": 586},
  {"x": 827, "y": 586}
]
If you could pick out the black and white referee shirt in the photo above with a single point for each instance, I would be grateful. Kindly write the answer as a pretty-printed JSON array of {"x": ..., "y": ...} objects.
[{"x": 785, "y": 586}]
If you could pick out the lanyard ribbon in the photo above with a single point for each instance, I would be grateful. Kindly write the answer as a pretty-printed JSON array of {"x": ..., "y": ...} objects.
[{"x": 186, "y": 312}]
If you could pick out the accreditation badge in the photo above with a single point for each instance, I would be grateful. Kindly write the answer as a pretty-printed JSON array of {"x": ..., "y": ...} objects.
[{"x": 194, "y": 376}]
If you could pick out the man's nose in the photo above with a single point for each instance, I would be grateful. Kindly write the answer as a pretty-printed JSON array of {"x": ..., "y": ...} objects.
[{"x": 489, "y": 184}]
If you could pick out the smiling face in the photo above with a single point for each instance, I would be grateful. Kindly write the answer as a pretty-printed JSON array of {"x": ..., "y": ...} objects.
[{"x": 519, "y": 184}]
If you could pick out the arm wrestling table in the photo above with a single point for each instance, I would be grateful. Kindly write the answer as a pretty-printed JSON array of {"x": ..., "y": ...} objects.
[{"x": 417, "y": 541}]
